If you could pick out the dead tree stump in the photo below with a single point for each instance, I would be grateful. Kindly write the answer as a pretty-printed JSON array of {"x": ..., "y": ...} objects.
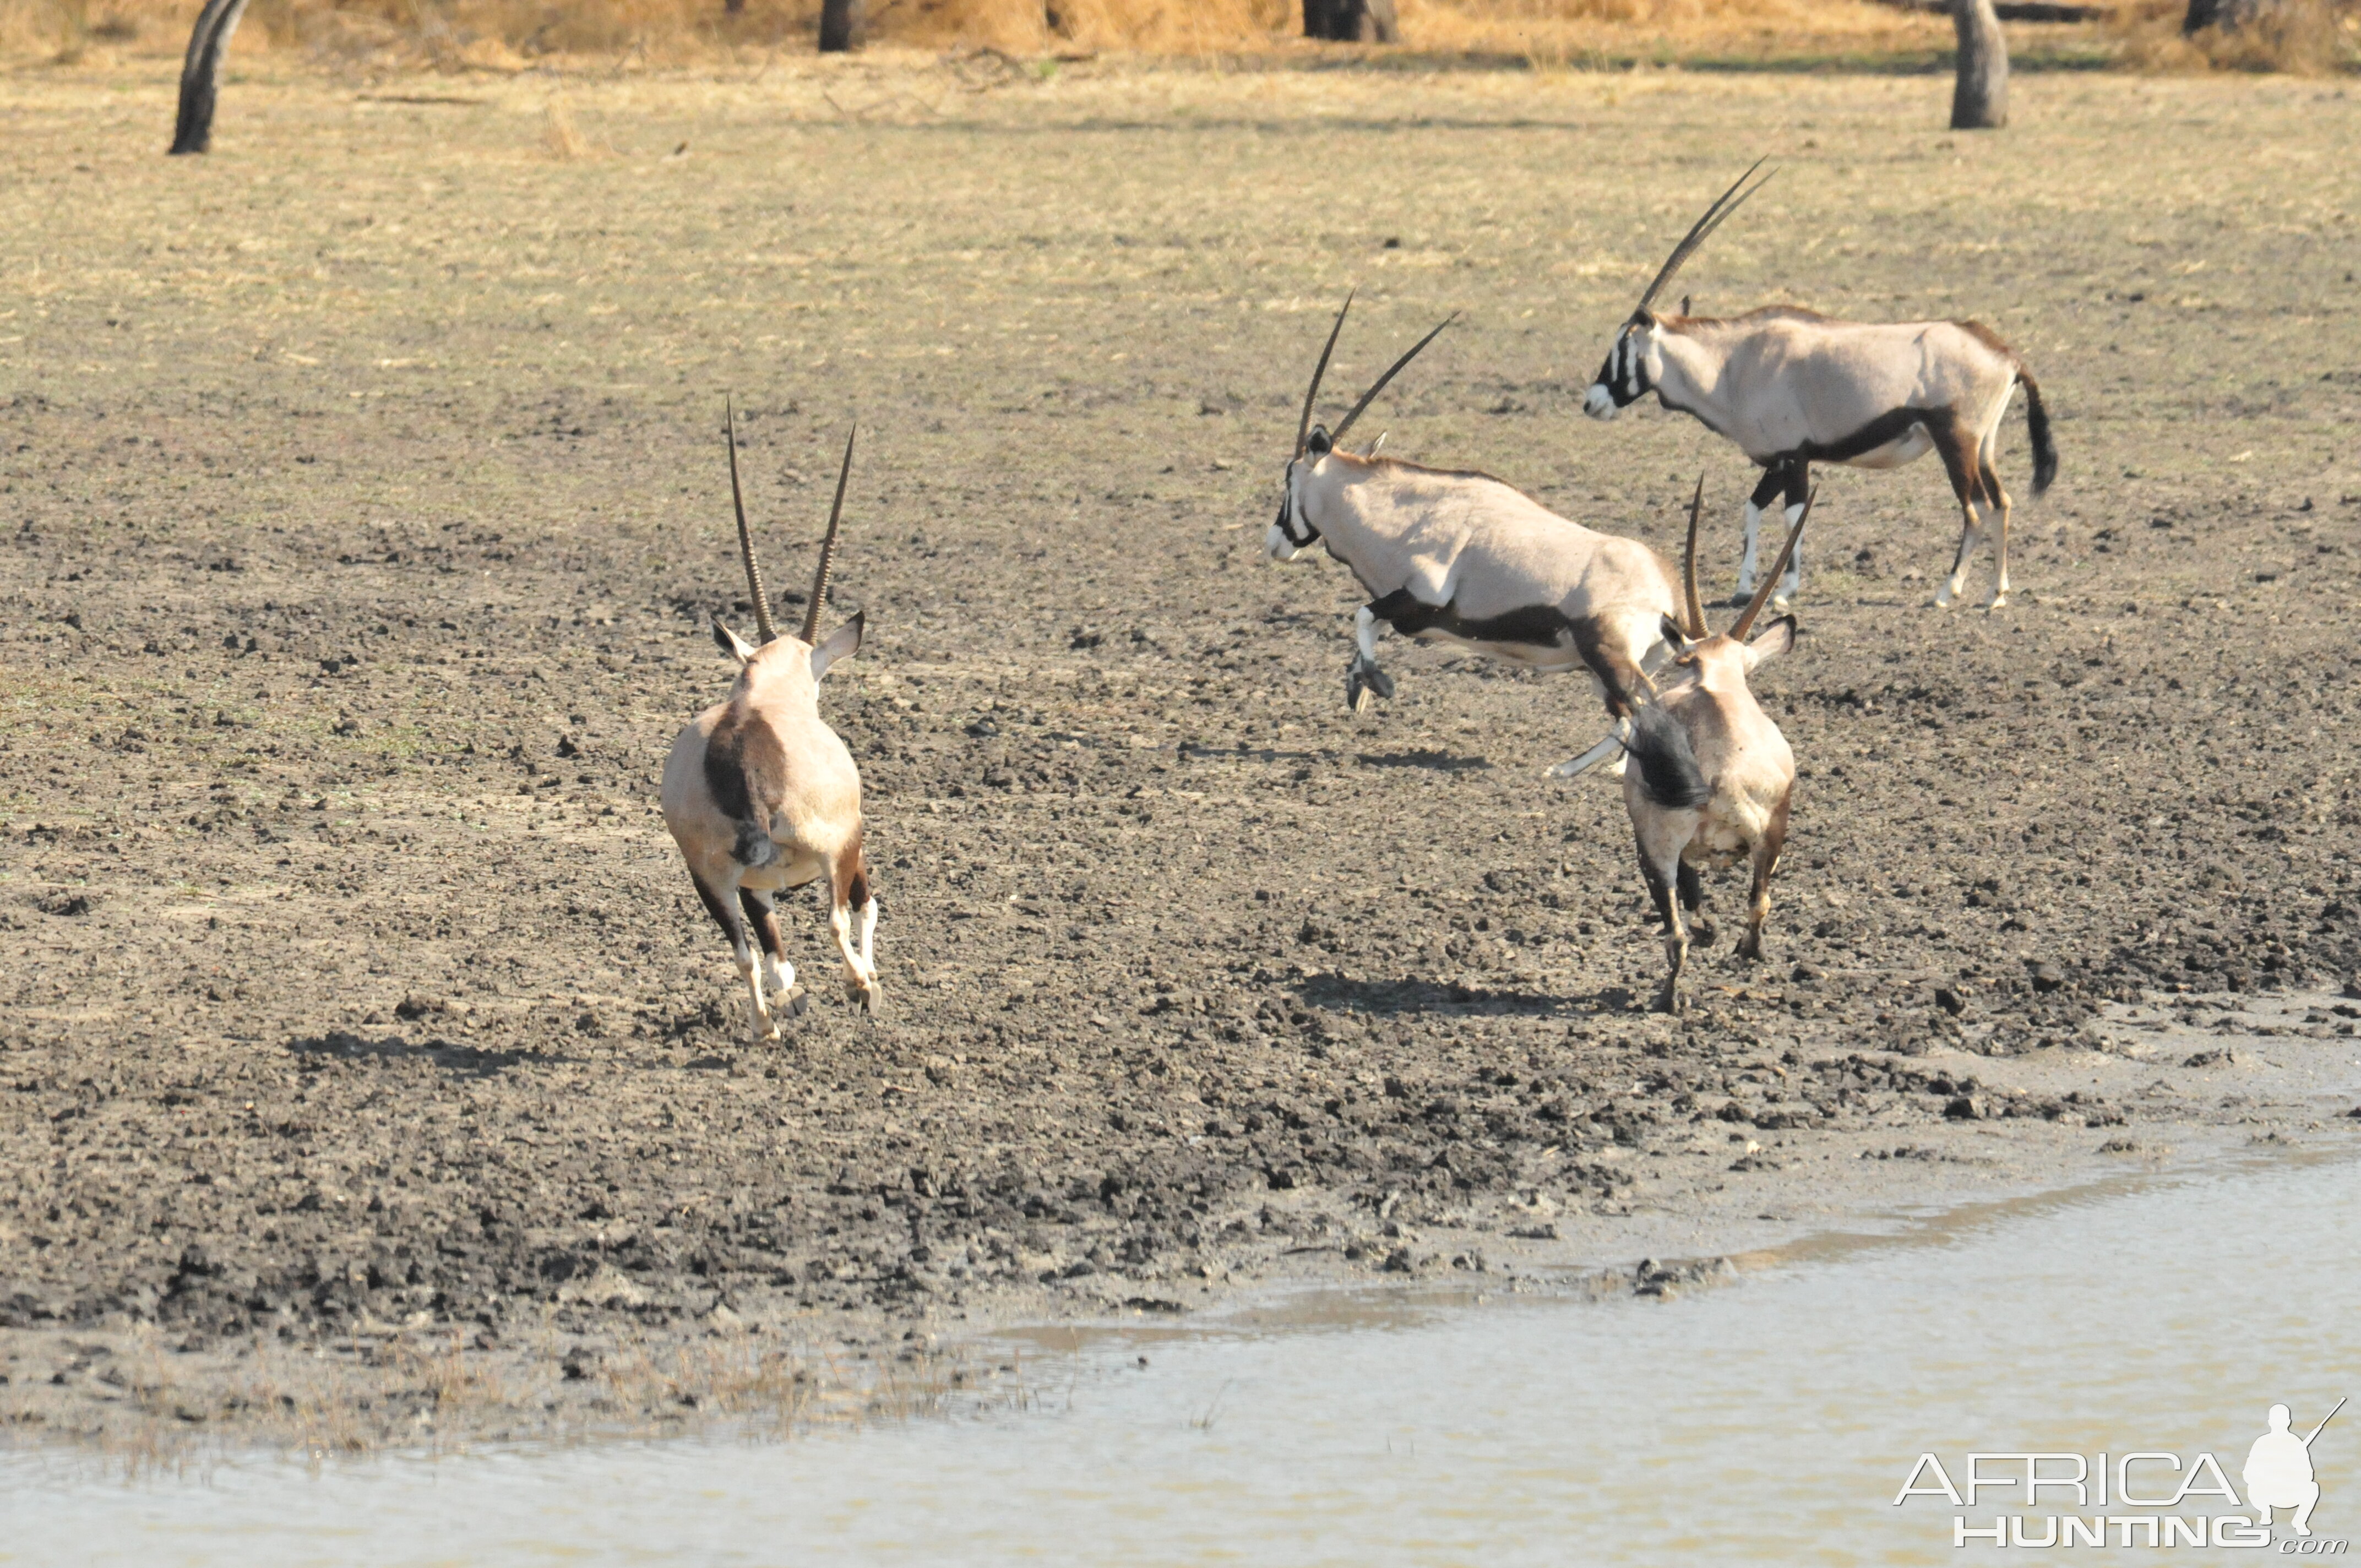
[
  {"x": 1351, "y": 21},
  {"x": 192, "y": 131},
  {"x": 1980, "y": 94},
  {"x": 839, "y": 26}
]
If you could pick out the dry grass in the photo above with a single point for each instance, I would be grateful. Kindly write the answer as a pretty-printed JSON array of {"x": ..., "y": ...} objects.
[
  {"x": 509, "y": 35},
  {"x": 565, "y": 139},
  {"x": 2302, "y": 37}
]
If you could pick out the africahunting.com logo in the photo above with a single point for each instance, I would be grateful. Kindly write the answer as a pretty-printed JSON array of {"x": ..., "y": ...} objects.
[{"x": 2143, "y": 1499}]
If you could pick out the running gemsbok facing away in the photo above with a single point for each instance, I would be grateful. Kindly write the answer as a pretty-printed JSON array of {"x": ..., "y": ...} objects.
[
  {"x": 1749, "y": 772},
  {"x": 1793, "y": 388},
  {"x": 1462, "y": 558},
  {"x": 761, "y": 795}
]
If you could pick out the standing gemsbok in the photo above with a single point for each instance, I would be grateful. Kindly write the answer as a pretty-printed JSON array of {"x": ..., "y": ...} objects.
[
  {"x": 1749, "y": 772},
  {"x": 1793, "y": 388},
  {"x": 1462, "y": 558},
  {"x": 761, "y": 795}
]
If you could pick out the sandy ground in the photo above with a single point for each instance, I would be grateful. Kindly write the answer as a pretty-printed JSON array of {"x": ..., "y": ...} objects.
[{"x": 370, "y": 1071}]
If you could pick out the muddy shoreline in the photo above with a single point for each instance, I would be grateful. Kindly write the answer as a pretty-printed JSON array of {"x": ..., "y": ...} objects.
[{"x": 361, "y": 522}]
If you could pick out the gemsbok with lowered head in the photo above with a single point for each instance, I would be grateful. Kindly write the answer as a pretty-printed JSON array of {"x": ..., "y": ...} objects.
[
  {"x": 1462, "y": 558},
  {"x": 1794, "y": 387},
  {"x": 1748, "y": 771},
  {"x": 761, "y": 795}
]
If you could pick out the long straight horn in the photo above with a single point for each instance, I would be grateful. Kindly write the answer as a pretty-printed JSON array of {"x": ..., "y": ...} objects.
[
  {"x": 828, "y": 545},
  {"x": 1726, "y": 204},
  {"x": 1395, "y": 369},
  {"x": 1688, "y": 568},
  {"x": 1303, "y": 425},
  {"x": 745, "y": 537},
  {"x": 1745, "y": 623}
]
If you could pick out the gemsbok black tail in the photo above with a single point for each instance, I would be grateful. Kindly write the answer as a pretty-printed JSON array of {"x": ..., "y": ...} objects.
[
  {"x": 1659, "y": 748},
  {"x": 2036, "y": 425}
]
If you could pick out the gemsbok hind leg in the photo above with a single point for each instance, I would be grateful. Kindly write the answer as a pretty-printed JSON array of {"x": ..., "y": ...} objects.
[
  {"x": 733, "y": 926},
  {"x": 1660, "y": 866},
  {"x": 849, "y": 890},
  {"x": 1996, "y": 500},
  {"x": 1959, "y": 452},
  {"x": 1692, "y": 891},
  {"x": 763, "y": 915},
  {"x": 1767, "y": 850}
]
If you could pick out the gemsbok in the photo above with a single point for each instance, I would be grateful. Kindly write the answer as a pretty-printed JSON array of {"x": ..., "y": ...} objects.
[
  {"x": 1748, "y": 770},
  {"x": 761, "y": 795},
  {"x": 1461, "y": 558},
  {"x": 1793, "y": 388}
]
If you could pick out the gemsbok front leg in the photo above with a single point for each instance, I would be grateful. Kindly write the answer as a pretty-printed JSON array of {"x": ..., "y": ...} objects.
[
  {"x": 1791, "y": 478},
  {"x": 1363, "y": 679}
]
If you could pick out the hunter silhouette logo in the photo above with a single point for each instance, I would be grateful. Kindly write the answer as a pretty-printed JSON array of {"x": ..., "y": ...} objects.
[
  {"x": 2147, "y": 1498},
  {"x": 2279, "y": 1471}
]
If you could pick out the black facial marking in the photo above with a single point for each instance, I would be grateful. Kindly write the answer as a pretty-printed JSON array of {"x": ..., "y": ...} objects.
[{"x": 1625, "y": 375}]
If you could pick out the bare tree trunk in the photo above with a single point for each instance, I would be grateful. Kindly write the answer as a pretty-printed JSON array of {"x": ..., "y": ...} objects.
[
  {"x": 1351, "y": 21},
  {"x": 1979, "y": 95},
  {"x": 200, "y": 74},
  {"x": 2227, "y": 14},
  {"x": 839, "y": 26}
]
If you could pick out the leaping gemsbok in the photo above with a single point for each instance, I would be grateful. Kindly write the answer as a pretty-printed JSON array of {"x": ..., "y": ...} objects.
[
  {"x": 761, "y": 795},
  {"x": 1748, "y": 771},
  {"x": 1793, "y": 388},
  {"x": 1462, "y": 558}
]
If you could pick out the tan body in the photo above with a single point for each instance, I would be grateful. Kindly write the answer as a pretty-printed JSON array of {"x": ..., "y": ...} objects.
[
  {"x": 1790, "y": 388},
  {"x": 1751, "y": 775},
  {"x": 1465, "y": 559},
  {"x": 762, "y": 796},
  {"x": 1733, "y": 807}
]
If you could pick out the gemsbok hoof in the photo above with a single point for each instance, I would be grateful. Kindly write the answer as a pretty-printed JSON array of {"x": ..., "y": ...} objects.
[
  {"x": 1668, "y": 1000},
  {"x": 1363, "y": 681},
  {"x": 1702, "y": 930},
  {"x": 795, "y": 1004}
]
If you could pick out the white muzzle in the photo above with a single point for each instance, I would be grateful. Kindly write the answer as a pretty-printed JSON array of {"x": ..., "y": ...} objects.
[
  {"x": 1278, "y": 546},
  {"x": 1599, "y": 403}
]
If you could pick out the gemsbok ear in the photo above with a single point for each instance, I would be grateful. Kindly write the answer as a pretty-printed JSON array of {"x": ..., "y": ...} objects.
[
  {"x": 840, "y": 643},
  {"x": 730, "y": 643},
  {"x": 1773, "y": 640},
  {"x": 1674, "y": 638},
  {"x": 1317, "y": 444}
]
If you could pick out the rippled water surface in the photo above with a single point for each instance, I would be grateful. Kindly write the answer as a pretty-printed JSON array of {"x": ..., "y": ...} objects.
[{"x": 1770, "y": 1419}]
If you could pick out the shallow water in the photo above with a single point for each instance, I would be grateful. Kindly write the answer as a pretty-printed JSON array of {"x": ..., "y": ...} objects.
[{"x": 1769, "y": 1419}]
